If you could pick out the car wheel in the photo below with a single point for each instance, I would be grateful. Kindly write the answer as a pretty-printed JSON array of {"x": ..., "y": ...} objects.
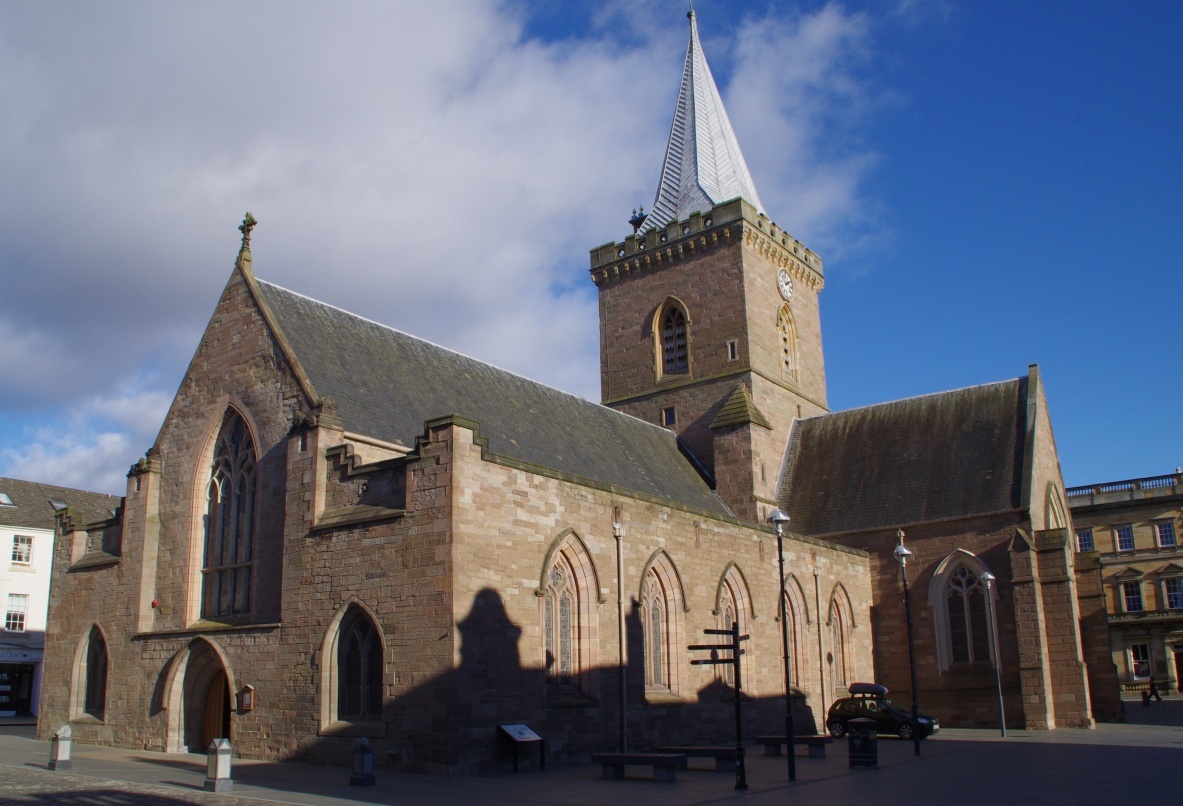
[
  {"x": 837, "y": 729},
  {"x": 906, "y": 731}
]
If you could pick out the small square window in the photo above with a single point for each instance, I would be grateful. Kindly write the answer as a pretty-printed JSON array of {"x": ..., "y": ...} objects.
[
  {"x": 6, "y": 500},
  {"x": 669, "y": 416},
  {"x": 1124, "y": 537},
  {"x": 732, "y": 350},
  {"x": 1165, "y": 531},
  {"x": 1084, "y": 540},
  {"x": 22, "y": 549}
]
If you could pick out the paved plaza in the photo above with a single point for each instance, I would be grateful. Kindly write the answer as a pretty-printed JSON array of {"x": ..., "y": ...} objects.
[{"x": 1134, "y": 762}]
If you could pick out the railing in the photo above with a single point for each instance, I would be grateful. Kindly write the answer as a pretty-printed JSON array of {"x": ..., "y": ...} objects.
[
  {"x": 1145, "y": 615},
  {"x": 1128, "y": 486}
]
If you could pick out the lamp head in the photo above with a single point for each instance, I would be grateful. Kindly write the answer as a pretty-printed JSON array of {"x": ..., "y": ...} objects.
[
  {"x": 902, "y": 554},
  {"x": 778, "y": 517},
  {"x": 987, "y": 579}
]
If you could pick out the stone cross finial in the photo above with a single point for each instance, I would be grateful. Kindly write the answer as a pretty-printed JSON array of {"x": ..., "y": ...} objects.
[{"x": 248, "y": 224}]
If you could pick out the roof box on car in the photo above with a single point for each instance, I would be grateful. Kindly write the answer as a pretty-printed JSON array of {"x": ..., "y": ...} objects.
[{"x": 868, "y": 689}]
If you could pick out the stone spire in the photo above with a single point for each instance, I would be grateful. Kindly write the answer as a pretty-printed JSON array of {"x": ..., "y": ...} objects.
[{"x": 703, "y": 164}]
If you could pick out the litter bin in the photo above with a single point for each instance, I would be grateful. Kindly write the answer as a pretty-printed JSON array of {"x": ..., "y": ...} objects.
[{"x": 862, "y": 743}]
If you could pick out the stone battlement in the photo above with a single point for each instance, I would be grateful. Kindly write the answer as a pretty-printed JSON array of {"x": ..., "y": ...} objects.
[{"x": 724, "y": 222}]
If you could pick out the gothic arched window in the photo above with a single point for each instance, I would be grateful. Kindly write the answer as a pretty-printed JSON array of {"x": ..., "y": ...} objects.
[
  {"x": 561, "y": 622},
  {"x": 229, "y": 523},
  {"x": 969, "y": 631},
  {"x": 661, "y": 625},
  {"x": 95, "y": 702},
  {"x": 787, "y": 330},
  {"x": 359, "y": 668},
  {"x": 675, "y": 351},
  {"x": 961, "y": 611},
  {"x": 734, "y": 606}
]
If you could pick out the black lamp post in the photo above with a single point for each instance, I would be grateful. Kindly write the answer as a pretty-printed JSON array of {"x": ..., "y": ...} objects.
[
  {"x": 902, "y": 555},
  {"x": 778, "y": 518},
  {"x": 988, "y": 580}
]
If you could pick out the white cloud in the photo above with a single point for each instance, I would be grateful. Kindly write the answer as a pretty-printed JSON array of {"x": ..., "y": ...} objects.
[{"x": 423, "y": 165}]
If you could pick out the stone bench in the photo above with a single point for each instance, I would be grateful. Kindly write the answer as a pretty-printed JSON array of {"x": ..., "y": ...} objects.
[
  {"x": 725, "y": 757},
  {"x": 665, "y": 765},
  {"x": 816, "y": 744}
]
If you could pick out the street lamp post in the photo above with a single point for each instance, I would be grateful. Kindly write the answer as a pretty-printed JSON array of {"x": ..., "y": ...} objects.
[
  {"x": 778, "y": 518},
  {"x": 988, "y": 581},
  {"x": 902, "y": 555}
]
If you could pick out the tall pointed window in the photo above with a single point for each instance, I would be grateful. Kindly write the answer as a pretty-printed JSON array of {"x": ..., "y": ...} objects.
[
  {"x": 95, "y": 698},
  {"x": 787, "y": 330},
  {"x": 567, "y": 589},
  {"x": 675, "y": 353},
  {"x": 733, "y": 605},
  {"x": 654, "y": 616},
  {"x": 661, "y": 606},
  {"x": 838, "y": 658},
  {"x": 969, "y": 632},
  {"x": 359, "y": 668},
  {"x": 229, "y": 523},
  {"x": 561, "y": 617},
  {"x": 961, "y": 612}
]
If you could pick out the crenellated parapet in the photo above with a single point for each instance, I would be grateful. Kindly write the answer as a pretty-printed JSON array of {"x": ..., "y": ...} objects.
[{"x": 731, "y": 222}]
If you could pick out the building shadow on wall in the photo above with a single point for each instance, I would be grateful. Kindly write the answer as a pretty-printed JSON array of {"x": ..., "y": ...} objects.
[{"x": 448, "y": 724}]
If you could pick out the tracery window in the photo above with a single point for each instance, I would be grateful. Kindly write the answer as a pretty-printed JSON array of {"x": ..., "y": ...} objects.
[
  {"x": 788, "y": 343},
  {"x": 561, "y": 621},
  {"x": 95, "y": 698},
  {"x": 675, "y": 353},
  {"x": 838, "y": 649},
  {"x": 359, "y": 668},
  {"x": 654, "y": 616},
  {"x": 969, "y": 630},
  {"x": 229, "y": 523}
]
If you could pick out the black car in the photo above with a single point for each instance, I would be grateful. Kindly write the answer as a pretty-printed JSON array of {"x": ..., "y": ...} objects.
[{"x": 870, "y": 700}]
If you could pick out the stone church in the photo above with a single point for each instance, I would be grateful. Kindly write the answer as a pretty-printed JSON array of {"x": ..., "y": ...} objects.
[{"x": 343, "y": 531}]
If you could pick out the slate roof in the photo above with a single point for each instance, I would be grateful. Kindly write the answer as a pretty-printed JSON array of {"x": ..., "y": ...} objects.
[
  {"x": 387, "y": 385},
  {"x": 952, "y": 454},
  {"x": 34, "y": 511},
  {"x": 703, "y": 164}
]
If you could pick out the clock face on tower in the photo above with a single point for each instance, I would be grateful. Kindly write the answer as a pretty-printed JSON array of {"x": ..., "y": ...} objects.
[{"x": 785, "y": 283}]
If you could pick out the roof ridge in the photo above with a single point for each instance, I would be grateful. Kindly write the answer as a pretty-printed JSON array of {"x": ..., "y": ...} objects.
[
  {"x": 580, "y": 399},
  {"x": 943, "y": 393}
]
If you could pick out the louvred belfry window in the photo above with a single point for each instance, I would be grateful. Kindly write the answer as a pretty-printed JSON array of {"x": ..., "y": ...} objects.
[
  {"x": 675, "y": 355},
  {"x": 229, "y": 525}
]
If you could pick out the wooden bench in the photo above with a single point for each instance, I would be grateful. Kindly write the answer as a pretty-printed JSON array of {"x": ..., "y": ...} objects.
[
  {"x": 816, "y": 744},
  {"x": 725, "y": 757},
  {"x": 664, "y": 765}
]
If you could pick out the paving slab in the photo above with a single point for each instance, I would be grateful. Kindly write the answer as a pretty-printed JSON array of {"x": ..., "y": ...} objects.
[{"x": 1108, "y": 765}]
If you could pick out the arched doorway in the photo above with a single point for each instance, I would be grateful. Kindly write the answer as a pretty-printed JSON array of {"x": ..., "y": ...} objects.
[
  {"x": 198, "y": 697},
  {"x": 216, "y": 724}
]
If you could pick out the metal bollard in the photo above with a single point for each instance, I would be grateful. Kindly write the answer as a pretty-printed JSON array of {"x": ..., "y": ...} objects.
[
  {"x": 59, "y": 748},
  {"x": 217, "y": 769},
  {"x": 363, "y": 764}
]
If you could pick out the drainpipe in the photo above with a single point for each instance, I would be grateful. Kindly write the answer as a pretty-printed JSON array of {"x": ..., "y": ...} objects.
[
  {"x": 821, "y": 661},
  {"x": 618, "y": 533}
]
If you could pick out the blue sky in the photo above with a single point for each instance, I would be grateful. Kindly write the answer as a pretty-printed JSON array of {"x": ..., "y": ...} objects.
[{"x": 990, "y": 184}]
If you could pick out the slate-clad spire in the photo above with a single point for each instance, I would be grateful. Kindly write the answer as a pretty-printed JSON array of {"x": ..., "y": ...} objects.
[{"x": 703, "y": 164}]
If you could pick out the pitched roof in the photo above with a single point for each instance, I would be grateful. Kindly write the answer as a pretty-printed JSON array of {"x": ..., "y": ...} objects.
[
  {"x": 33, "y": 507},
  {"x": 703, "y": 164},
  {"x": 739, "y": 409},
  {"x": 952, "y": 454},
  {"x": 387, "y": 385}
]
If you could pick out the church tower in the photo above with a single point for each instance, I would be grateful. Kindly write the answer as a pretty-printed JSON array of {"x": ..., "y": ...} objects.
[{"x": 709, "y": 321}]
